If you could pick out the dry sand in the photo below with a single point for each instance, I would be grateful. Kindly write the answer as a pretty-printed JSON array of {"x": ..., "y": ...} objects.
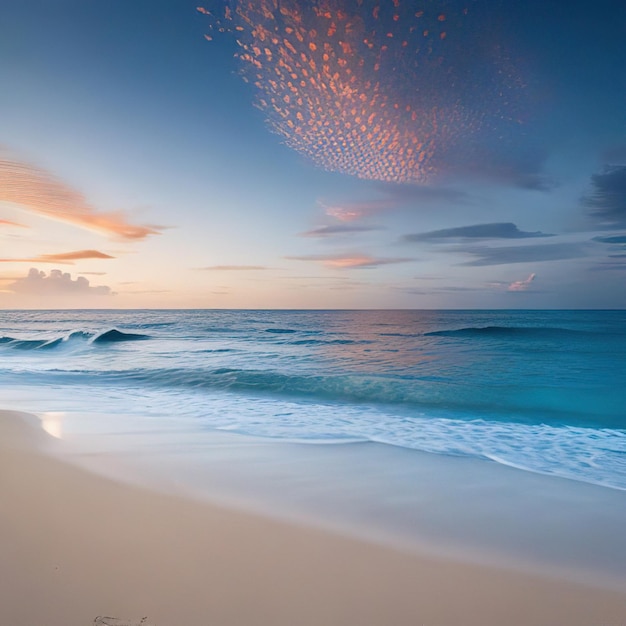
[{"x": 75, "y": 546}]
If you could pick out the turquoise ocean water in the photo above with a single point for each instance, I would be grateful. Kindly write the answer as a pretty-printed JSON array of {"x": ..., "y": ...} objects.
[{"x": 543, "y": 391}]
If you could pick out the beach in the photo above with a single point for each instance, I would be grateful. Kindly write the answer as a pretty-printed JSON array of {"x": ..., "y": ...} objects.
[{"x": 76, "y": 545}]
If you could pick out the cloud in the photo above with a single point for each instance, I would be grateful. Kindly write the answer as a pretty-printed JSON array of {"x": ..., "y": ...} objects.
[
  {"x": 348, "y": 261},
  {"x": 64, "y": 257},
  {"x": 498, "y": 230},
  {"x": 55, "y": 283},
  {"x": 601, "y": 267},
  {"x": 233, "y": 268},
  {"x": 10, "y": 223},
  {"x": 521, "y": 285},
  {"x": 92, "y": 273},
  {"x": 395, "y": 196},
  {"x": 607, "y": 200},
  {"x": 338, "y": 229},
  {"x": 523, "y": 254},
  {"x": 611, "y": 240},
  {"x": 352, "y": 211},
  {"x": 38, "y": 191}
]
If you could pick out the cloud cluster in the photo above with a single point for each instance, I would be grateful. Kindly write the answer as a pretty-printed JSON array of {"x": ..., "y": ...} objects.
[
  {"x": 498, "y": 230},
  {"x": 55, "y": 283},
  {"x": 381, "y": 90},
  {"x": 39, "y": 192},
  {"x": 606, "y": 202}
]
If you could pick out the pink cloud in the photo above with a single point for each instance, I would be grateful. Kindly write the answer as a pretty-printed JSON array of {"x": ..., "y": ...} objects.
[{"x": 521, "y": 285}]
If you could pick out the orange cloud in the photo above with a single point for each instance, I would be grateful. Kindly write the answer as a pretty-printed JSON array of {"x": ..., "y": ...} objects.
[
  {"x": 9, "y": 223},
  {"x": 38, "y": 191},
  {"x": 64, "y": 257}
]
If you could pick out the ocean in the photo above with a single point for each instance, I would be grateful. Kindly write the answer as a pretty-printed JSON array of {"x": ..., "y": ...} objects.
[
  {"x": 491, "y": 436},
  {"x": 543, "y": 391}
]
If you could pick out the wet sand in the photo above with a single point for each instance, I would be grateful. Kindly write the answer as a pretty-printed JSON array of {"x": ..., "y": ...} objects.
[{"x": 75, "y": 545}]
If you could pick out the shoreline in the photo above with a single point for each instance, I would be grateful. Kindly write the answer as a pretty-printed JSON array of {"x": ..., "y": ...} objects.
[{"x": 76, "y": 545}]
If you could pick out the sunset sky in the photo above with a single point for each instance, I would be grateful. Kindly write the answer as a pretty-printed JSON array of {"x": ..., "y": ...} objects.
[{"x": 331, "y": 154}]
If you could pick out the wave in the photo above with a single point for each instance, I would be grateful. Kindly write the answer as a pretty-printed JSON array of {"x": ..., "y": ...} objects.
[
  {"x": 114, "y": 335},
  {"x": 73, "y": 338},
  {"x": 523, "y": 404},
  {"x": 326, "y": 342},
  {"x": 512, "y": 332},
  {"x": 281, "y": 331}
]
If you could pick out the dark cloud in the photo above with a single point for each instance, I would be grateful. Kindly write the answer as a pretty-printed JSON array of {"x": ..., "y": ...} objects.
[
  {"x": 604, "y": 267},
  {"x": 498, "y": 230},
  {"x": 348, "y": 261},
  {"x": 607, "y": 200},
  {"x": 338, "y": 229},
  {"x": 55, "y": 283},
  {"x": 615, "y": 239},
  {"x": 485, "y": 255}
]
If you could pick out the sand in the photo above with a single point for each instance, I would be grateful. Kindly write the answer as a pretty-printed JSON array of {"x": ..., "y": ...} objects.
[{"x": 75, "y": 546}]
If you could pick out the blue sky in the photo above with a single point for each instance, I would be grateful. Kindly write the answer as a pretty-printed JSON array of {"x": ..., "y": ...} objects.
[{"x": 464, "y": 155}]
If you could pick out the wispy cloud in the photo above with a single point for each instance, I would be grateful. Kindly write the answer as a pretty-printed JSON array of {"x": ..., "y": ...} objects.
[
  {"x": 617, "y": 239},
  {"x": 65, "y": 257},
  {"x": 348, "y": 261},
  {"x": 353, "y": 211},
  {"x": 36, "y": 190},
  {"x": 521, "y": 285},
  {"x": 606, "y": 201},
  {"x": 394, "y": 196},
  {"x": 497, "y": 230},
  {"x": 523, "y": 254},
  {"x": 338, "y": 229},
  {"x": 55, "y": 283},
  {"x": 233, "y": 268},
  {"x": 10, "y": 223}
]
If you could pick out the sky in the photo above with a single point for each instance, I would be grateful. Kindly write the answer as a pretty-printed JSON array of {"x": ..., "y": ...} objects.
[{"x": 316, "y": 155}]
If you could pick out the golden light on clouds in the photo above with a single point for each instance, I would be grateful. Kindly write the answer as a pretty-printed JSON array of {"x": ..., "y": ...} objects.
[
  {"x": 378, "y": 90},
  {"x": 63, "y": 257},
  {"x": 37, "y": 191}
]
